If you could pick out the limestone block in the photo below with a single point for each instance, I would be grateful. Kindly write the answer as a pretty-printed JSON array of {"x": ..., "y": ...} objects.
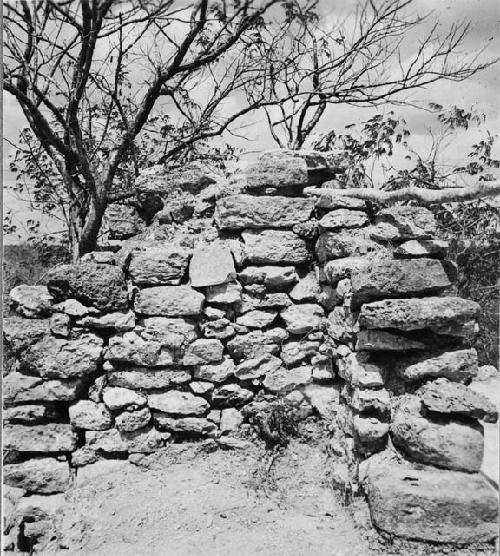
[
  {"x": 238, "y": 212},
  {"x": 178, "y": 403},
  {"x": 158, "y": 264},
  {"x": 284, "y": 380},
  {"x": 169, "y": 301},
  {"x": 344, "y": 243},
  {"x": 51, "y": 437},
  {"x": 211, "y": 265},
  {"x": 86, "y": 414},
  {"x": 231, "y": 395},
  {"x": 343, "y": 218},
  {"x": 20, "y": 388},
  {"x": 99, "y": 285},
  {"x": 300, "y": 319},
  {"x": 31, "y": 301},
  {"x": 39, "y": 475},
  {"x": 138, "y": 378},
  {"x": 269, "y": 247},
  {"x": 273, "y": 277}
]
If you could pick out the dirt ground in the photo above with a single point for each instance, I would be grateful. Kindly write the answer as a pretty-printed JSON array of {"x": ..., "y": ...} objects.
[{"x": 187, "y": 501}]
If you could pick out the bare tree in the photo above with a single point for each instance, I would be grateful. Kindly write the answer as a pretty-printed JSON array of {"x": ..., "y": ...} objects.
[
  {"x": 69, "y": 63},
  {"x": 371, "y": 58}
]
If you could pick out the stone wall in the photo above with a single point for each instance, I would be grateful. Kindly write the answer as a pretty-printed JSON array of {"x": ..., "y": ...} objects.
[{"x": 331, "y": 306}]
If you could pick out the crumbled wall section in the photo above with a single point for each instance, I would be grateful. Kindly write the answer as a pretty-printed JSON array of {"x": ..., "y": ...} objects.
[{"x": 334, "y": 307}]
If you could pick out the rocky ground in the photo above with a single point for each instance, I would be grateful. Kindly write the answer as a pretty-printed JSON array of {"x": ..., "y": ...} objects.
[{"x": 193, "y": 499}]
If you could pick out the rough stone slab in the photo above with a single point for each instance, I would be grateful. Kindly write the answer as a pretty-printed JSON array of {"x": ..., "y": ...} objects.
[
  {"x": 345, "y": 243},
  {"x": 444, "y": 443},
  {"x": 433, "y": 505},
  {"x": 442, "y": 315},
  {"x": 284, "y": 380},
  {"x": 381, "y": 340},
  {"x": 168, "y": 332},
  {"x": 52, "y": 437},
  {"x": 267, "y": 301},
  {"x": 276, "y": 170},
  {"x": 211, "y": 265},
  {"x": 256, "y": 343},
  {"x": 215, "y": 373},
  {"x": 131, "y": 348},
  {"x": 145, "y": 441},
  {"x": 443, "y": 396},
  {"x": 257, "y": 318},
  {"x": 337, "y": 270},
  {"x": 100, "y": 285},
  {"x": 86, "y": 414},
  {"x": 360, "y": 372},
  {"x": 203, "y": 351},
  {"x": 122, "y": 221},
  {"x": 130, "y": 421},
  {"x": 307, "y": 289},
  {"x": 332, "y": 202},
  {"x": 257, "y": 367},
  {"x": 109, "y": 441},
  {"x": 398, "y": 278},
  {"x": 230, "y": 420},
  {"x": 60, "y": 324},
  {"x": 300, "y": 319},
  {"x": 273, "y": 277},
  {"x": 422, "y": 248},
  {"x": 31, "y": 301},
  {"x": 460, "y": 365},
  {"x": 225, "y": 294},
  {"x": 270, "y": 247},
  {"x": 293, "y": 353},
  {"x": 63, "y": 358},
  {"x": 231, "y": 395},
  {"x": 169, "y": 301},
  {"x": 158, "y": 265},
  {"x": 20, "y": 388},
  {"x": 185, "y": 425},
  {"x": 29, "y": 414},
  {"x": 119, "y": 321},
  {"x": 19, "y": 333},
  {"x": 148, "y": 379},
  {"x": 238, "y": 212},
  {"x": 343, "y": 218},
  {"x": 119, "y": 398},
  {"x": 40, "y": 475},
  {"x": 408, "y": 222},
  {"x": 178, "y": 403}
]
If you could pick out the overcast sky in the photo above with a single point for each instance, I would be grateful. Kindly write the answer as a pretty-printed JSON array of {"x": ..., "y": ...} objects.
[{"x": 482, "y": 91}]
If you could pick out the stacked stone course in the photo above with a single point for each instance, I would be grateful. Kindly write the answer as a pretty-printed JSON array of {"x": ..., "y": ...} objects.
[{"x": 328, "y": 304}]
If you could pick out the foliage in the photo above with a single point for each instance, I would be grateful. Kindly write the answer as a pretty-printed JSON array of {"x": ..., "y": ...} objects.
[{"x": 275, "y": 422}]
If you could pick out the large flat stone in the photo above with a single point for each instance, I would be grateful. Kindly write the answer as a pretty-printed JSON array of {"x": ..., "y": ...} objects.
[
  {"x": 52, "y": 437},
  {"x": 300, "y": 319},
  {"x": 20, "y": 388},
  {"x": 398, "y": 278},
  {"x": 432, "y": 505},
  {"x": 445, "y": 443},
  {"x": 450, "y": 398},
  {"x": 283, "y": 380},
  {"x": 441, "y": 315},
  {"x": 343, "y": 218},
  {"x": 63, "y": 358},
  {"x": 158, "y": 264},
  {"x": 178, "y": 403},
  {"x": 345, "y": 243},
  {"x": 273, "y": 277},
  {"x": 39, "y": 475},
  {"x": 256, "y": 343},
  {"x": 148, "y": 379},
  {"x": 86, "y": 414},
  {"x": 185, "y": 425},
  {"x": 169, "y": 301},
  {"x": 29, "y": 414},
  {"x": 404, "y": 223},
  {"x": 270, "y": 247},
  {"x": 211, "y": 265},
  {"x": 100, "y": 285},
  {"x": 383, "y": 340},
  {"x": 337, "y": 270},
  {"x": 238, "y": 212},
  {"x": 460, "y": 365},
  {"x": 277, "y": 170}
]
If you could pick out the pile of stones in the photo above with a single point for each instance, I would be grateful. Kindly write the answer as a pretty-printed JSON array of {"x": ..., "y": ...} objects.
[{"x": 336, "y": 308}]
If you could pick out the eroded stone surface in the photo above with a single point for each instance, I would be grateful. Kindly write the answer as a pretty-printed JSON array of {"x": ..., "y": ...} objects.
[
  {"x": 273, "y": 277},
  {"x": 178, "y": 403},
  {"x": 459, "y": 365},
  {"x": 284, "y": 380},
  {"x": 158, "y": 264},
  {"x": 238, "y": 212},
  {"x": 31, "y": 301},
  {"x": 445, "y": 443},
  {"x": 19, "y": 388},
  {"x": 398, "y": 278},
  {"x": 148, "y": 379},
  {"x": 86, "y": 414},
  {"x": 169, "y": 301},
  {"x": 300, "y": 319},
  {"x": 431, "y": 504},
  {"x": 211, "y": 265},
  {"x": 270, "y": 247},
  {"x": 39, "y": 475},
  {"x": 51, "y": 437},
  {"x": 343, "y": 218},
  {"x": 100, "y": 285}
]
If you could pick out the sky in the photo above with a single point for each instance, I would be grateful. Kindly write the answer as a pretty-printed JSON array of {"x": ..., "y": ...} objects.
[{"x": 482, "y": 91}]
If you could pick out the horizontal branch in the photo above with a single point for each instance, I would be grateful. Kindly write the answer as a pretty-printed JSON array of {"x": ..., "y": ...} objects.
[{"x": 448, "y": 195}]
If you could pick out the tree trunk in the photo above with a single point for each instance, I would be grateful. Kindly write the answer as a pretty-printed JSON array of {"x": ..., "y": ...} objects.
[{"x": 90, "y": 232}]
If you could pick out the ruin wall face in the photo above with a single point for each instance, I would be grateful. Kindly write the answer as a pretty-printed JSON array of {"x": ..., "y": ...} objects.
[{"x": 331, "y": 306}]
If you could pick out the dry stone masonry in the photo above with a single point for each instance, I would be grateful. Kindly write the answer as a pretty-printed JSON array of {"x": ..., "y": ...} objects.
[{"x": 239, "y": 294}]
